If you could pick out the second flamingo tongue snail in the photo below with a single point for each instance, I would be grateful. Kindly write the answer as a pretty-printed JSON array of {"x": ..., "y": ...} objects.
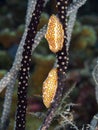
[
  {"x": 58, "y": 35},
  {"x": 55, "y": 38},
  {"x": 66, "y": 22},
  {"x": 62, "y": 58},
  {"x": 49, "y": 87}
]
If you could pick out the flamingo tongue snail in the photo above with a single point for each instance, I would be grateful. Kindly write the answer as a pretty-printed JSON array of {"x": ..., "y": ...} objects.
[
  {"x": 55, "y": 34},
  {"x": 49, "y": 87},
  {"x": 62, "y": 60},
  {"x": 55, "y": 38},
  {"x": 58, "y": 35}
]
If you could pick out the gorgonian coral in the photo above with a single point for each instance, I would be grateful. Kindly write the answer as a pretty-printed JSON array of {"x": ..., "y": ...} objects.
[
  {"x": 25, "y": 66},
  {"x": 65, "y": 21}
]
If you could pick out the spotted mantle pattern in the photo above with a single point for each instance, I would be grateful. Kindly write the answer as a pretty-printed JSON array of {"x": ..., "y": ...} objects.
[{"x": 62, "y": 63}]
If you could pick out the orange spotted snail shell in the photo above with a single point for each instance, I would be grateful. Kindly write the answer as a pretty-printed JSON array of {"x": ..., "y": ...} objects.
[
  {"x": 55, "y": 34},
  {"x": 49, "y": 87}
]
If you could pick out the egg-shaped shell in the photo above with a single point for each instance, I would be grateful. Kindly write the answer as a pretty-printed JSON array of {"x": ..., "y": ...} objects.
[
  {"x": 49, "y": 87},
  {"x": 55, "y": 34}
]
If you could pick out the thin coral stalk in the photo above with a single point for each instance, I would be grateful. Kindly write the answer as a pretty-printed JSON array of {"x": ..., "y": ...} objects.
[
  {"x": 10, "y": 85},
  {"x": 95, "y": 77},
  {"x": 25, "y": 66},
  {"x": 75, "y": 5},
  {"x": 16, "y": 65},
  {"x": 94, "y": 123},
  {"x": 61, "y": 65},
  {"x": 62, "y": 56},
  {"x": 9, "y": 79},
  {"x": 6, "y": 107},
  {"x": 72, "y": 13},
  {"x": 11, "y": 76}
]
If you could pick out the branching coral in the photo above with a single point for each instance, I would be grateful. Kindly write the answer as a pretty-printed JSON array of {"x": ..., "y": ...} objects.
[
  {"x": 9, "y": 80},
  {"x": 25, "y": 66},
  {"x": 62, "y": 56},
  {"x": 16, "y": 65},
  {"x": 66, "y": 15}
]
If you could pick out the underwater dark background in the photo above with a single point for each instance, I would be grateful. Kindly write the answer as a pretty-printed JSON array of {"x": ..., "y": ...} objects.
[{"x": 83, "y": 54}]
